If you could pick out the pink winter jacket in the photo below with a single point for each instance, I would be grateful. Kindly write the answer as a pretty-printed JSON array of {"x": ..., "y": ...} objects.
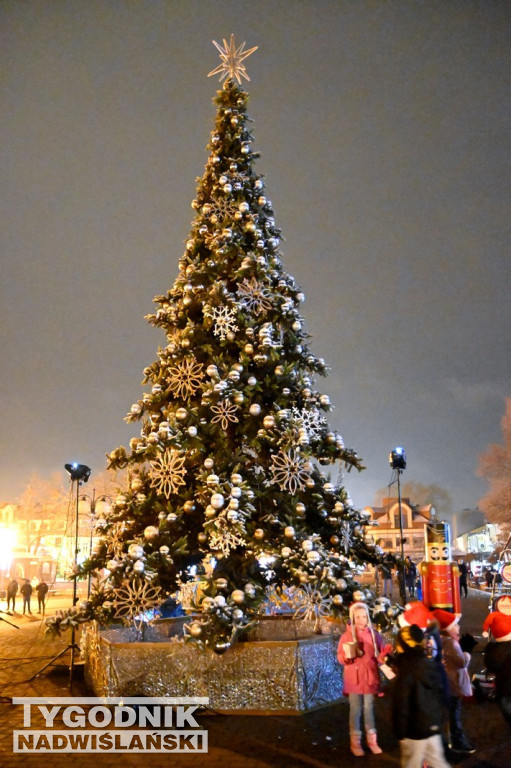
[{"x": 361, "y": 675}]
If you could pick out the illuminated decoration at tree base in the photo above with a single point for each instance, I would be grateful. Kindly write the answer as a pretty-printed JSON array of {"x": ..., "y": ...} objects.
[{"x": 284, "y": 669}]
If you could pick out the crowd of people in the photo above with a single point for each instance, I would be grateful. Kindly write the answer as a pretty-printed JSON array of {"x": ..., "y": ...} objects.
[
  {"x": 429, "y": 669},
  {"x": 26, "y": 590}
]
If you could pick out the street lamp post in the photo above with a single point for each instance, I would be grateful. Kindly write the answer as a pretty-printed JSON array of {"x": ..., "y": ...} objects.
[
  {"x": 397, "y": 461},
  {"x": 94, "y": 508}
]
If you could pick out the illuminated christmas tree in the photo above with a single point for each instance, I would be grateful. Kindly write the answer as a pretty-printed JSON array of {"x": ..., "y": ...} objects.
[{"x": 227, "y": 470}]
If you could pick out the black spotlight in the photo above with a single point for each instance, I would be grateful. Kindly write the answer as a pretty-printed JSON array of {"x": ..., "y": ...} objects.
[
  {"x": 78, "y": 471},
  {"x": 397, "y": 458}
]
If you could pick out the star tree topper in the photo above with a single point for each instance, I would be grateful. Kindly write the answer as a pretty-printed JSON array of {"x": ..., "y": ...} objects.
[{"x": 232, "y": 58}]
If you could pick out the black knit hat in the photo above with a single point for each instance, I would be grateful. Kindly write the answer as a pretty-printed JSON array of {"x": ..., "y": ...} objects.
[{"x": 411, "y": 636}]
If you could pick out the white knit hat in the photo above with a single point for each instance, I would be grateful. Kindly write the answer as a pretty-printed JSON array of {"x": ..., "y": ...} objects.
[{"x": 355, "y": 606}]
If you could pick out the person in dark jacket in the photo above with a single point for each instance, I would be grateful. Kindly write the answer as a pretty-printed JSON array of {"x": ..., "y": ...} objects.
[
  {"x": 463, "y": 569},
  {"x": 26, "y": 591},
  {"x": 410, "y": 575},
  {"x": 418, "y": 702},
  {"x": 42, "y": 591},
  {"x": 12, "y": 591}
]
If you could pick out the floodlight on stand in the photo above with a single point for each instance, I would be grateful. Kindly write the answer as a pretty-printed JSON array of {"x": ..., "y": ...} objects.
[
  {"x": 397, "y": 458},
  {"x": 78, "y": 471}
]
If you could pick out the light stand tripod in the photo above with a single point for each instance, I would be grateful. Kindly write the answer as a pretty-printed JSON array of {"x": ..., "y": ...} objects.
[
  {"x": 8, "y": 622},
  {"x": 79, "y": 474},
  {"x": 397, "y": 461}
]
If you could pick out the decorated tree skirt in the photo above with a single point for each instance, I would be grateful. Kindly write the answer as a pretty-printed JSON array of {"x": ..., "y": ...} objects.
[{"x": 284, "y": 668}]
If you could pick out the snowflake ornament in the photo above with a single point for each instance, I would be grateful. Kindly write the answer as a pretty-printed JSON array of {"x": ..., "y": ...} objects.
[
  {"x": 289, "y": 470},
  {"x": 312, "y": 603},
  {"x": 134, "y": 599},
  {"x": 255, "y": 296},
  {"x": 224, "y": 319},
  {"x": 168, "y": 472},
  {"x": 223, "y": 208},
  {"x": 186, "y": 378},
  {"x": 225, "y": 413},
  {"x": 225, "y": 537},
  {"x": 345, "y": 536},
  {"x": 311, "y": 420},
  {"x": 115, "y": 541}
]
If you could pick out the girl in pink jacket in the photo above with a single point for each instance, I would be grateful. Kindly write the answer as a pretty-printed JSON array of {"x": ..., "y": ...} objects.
[{"x": 361, "y": 649}]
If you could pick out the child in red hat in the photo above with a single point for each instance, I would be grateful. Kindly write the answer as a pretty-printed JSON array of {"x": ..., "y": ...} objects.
[{"x": 456, "y": 663}]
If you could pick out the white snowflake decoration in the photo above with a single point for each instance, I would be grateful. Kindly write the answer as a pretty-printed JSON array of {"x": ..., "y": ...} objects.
[
  {"x": 225, "y": 541},
  {"x": 255, "y": 296},
  {"x": 345, "y": 536},
  {"x": 115, "y": 539},
  {"x": 168, "y": 472},
  {"x": 223, "y": 208},
  {"x": 311, "y": 420},
  {"x": 134, "y": 599},
  {"x": 224, "y": 319},
  {"x": 238, "y": 177},
  {"x": 289, "y": 470},
  {"x": 186, "y": 378},
  {"x": 312, "y": 603},
  {"x": 225, "y": 413},
  {"x": 226, "y": 537}
]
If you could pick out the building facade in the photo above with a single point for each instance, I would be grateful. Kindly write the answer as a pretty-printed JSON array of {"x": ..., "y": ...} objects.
[{"x": 393, "y": 522}]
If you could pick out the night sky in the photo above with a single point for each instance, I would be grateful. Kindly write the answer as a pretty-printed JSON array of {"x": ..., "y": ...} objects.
[{"x": 383, "y": 129}]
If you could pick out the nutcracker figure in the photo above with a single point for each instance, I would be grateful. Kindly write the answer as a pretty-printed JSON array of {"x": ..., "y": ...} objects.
[{"x": 440, "y": 577}]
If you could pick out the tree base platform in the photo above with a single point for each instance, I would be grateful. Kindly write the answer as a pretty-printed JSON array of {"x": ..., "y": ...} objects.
[{"x": 283, "y": 668}]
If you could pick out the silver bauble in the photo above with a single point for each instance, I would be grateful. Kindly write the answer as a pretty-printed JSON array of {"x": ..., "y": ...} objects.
[
  {"x": 217, "y": 501},
  {"x": 151, "y": 532},
  {"x": 135, "y": 551}
]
